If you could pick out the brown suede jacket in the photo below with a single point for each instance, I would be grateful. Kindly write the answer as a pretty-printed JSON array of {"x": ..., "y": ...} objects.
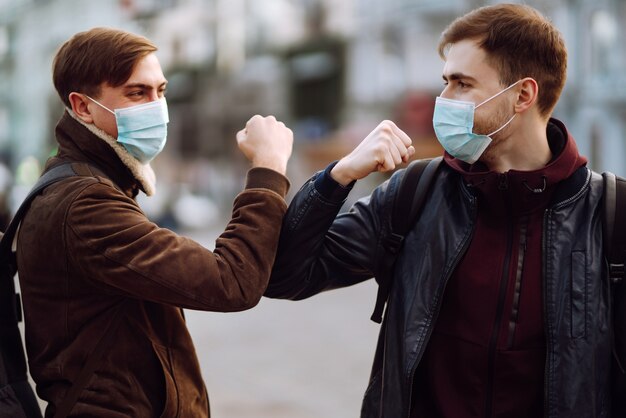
[{"x": 87, "y": 254}]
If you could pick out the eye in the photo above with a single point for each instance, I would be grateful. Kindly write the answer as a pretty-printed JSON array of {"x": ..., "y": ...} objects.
[
  {"x": 136, "y": 93},
  {"x": 463, "y": 85}
]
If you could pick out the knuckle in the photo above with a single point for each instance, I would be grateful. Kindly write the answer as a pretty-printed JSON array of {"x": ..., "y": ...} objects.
[
  {"x": 386, "y": 129},
  {"x": 253, "y": 119},
  {"x": 388, "y": 124}
]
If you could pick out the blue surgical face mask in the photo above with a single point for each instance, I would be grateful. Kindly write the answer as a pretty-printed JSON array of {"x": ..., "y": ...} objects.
[
  {"x": 453, "y": 121},
  {"x": 141, "y": 129}
]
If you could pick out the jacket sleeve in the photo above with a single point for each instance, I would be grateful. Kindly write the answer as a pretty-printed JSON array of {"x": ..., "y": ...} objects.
[
  {"x": 320, "y": 250},
  {"x": 112, "y": 244}
]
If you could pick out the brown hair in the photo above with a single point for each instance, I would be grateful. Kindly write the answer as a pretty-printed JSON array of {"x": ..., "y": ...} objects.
[
  {"x": 99, "y": 55},
  {"x": 519, "y": 42}
]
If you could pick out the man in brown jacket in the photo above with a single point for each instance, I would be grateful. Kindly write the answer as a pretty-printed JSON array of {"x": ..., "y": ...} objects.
[{"x": 102, "y": 286}]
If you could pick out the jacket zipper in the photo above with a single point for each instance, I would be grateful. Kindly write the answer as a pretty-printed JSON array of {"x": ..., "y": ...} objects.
[
  {"x": 495, "y": 331},
  {"x": 459, "y": 254},
  {"x": 521, "y": 255}
]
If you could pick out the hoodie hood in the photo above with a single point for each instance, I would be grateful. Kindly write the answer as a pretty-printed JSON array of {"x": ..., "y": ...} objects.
[
  {"x": 528, "y": 190},
  {"x": 83, "y": 142}
]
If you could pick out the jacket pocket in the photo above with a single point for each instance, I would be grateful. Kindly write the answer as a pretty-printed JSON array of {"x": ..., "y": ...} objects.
[
  {"x": 171, "y": 408},
  {"x": 578, "y": 294}
]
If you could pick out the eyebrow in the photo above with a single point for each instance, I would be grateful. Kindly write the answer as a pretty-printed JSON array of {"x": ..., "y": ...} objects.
[
  {"x": 143, "y": 86},
  {"x": 458, "y": 76}
]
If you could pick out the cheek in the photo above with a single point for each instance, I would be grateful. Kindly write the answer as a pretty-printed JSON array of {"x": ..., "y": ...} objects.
[
  {"x": 485, "y": 123},
  {"x": 482, "y": 122},
  {"x": 106, "y": 122}
]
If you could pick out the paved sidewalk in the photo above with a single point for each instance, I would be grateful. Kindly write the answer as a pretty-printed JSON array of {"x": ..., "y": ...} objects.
[{"x": 283, "y": 359}]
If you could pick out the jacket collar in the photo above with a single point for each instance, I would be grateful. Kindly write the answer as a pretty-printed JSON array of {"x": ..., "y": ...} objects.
[
  {"x": 82, "y": 142},
  {"x": 527, "y": 190}
]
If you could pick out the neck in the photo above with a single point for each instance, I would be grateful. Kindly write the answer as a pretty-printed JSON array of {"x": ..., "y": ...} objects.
[{"x": 525, "y": 148}]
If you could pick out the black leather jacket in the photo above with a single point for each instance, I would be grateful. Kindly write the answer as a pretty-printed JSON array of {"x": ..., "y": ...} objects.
[{"x": 319, "y": 251}]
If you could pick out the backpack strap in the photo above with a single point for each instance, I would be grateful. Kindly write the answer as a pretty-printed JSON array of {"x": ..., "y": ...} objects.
[
  {"x": 614, "y": 205},
  {"x": 614, "y": 241},
  {"x": 11, "y": 310},
  {"x": 406, "y": 206},
  {"x": 10, "y": 306},
  {"x": 53, "y": 175},
  {"x": 13, "y": 369}
]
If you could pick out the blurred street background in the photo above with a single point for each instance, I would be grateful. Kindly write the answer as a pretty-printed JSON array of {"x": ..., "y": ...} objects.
[{"x": 331, "y": 70}]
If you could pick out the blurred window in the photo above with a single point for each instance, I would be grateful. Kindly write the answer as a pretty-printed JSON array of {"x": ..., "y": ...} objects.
[
  {"x": 4, "y": 124},
  {"x": 604, "y": 36},
  {"x": 146, "y": 8},
  {"x": 5, "y": 46}
]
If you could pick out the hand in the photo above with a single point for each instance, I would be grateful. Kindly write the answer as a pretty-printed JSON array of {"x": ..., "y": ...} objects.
[
  {"x": 266, "y": 142},
  {"x": 384, "y": 148}
]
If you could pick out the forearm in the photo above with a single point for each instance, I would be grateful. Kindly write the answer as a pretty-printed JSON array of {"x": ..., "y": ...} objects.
[
  {"x": 132, "y": 256},
  {"x": 314, "y": 250}
]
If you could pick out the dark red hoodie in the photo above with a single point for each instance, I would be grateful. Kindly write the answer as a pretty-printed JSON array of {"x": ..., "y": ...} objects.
[{"x": 486, "y": 355}]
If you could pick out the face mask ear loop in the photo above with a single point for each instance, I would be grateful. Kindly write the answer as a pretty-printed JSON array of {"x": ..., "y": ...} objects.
[
  {"x": 497, "y": 94},
  {"x": 100, "y": 104},
  {"x": 503, "y": 126}
]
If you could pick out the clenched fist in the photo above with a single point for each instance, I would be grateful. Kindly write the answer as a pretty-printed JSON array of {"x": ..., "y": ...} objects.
[
  {"x": 384, "y": 148},
  {"x": 266, "y": 142}
]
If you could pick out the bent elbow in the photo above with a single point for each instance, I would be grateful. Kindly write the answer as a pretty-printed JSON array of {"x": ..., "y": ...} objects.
[
  {"x": 250, "y": 300},
  {"x": 243, "y": 300}
]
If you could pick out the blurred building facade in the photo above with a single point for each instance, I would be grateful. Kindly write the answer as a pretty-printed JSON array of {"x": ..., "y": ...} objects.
[{"x": 331, "y": 70}]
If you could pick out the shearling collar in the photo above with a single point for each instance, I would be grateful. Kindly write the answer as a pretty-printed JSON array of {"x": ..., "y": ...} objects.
[{"x": 80, "y": 141}]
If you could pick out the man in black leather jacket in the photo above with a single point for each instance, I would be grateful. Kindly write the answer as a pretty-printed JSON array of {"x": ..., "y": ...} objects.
[{"x": 500, "y": 302}]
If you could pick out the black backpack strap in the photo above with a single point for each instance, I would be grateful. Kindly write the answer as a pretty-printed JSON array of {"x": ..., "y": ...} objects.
[
  {"x": 406, "y": 207},
  {"x": 10, "y": 310},
  {"x": 614, "y": 225},
  {"x": 53, "y": 175},
  {"x": 614, "y": 241}
]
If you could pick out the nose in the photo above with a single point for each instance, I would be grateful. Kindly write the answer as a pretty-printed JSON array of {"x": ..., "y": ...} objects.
[{"x": 153, "y": 95}]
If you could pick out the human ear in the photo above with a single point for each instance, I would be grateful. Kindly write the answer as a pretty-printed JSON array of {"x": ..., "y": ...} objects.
[
  {"x": 80, "y": 107},
  {"x": 528, "y": 92}
]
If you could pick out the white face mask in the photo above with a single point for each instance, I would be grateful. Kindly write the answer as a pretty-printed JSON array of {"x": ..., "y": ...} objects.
[
  {"x": 453, "y": 121},
  {"x": 142, "y": 129}
]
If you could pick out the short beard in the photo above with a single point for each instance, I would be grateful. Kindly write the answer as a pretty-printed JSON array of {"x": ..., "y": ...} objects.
[{"x": 486, "y": 127}]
